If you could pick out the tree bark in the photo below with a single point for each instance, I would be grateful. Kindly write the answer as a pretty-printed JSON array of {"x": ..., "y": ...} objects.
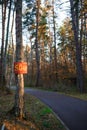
[
  {"x": 19, "y": 96},
  {"x": 55, "y": 54},
  {"x": 6, "y": 43},
  {"x": 2, "y": 45},
  {"x": 75, "y": 23},
  {"x": 36, "y": 44}
]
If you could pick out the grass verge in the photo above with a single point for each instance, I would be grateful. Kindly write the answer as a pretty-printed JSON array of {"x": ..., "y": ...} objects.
[
  {"x": 39, "y": 116},
  {"x": 66, "y": 90}
]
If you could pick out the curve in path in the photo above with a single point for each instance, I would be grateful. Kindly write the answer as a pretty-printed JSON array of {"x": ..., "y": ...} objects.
[{"x": 72, "y": 111}]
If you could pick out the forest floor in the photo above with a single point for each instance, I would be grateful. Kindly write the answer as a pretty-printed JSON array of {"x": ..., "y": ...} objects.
[{"x": 38, "y": 115}]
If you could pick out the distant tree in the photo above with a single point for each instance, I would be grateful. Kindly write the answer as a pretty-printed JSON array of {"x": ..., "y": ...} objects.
[
  {"x": 4, "y": 6},
  {"x": 54, "y": 37},
  {"x": 36, "y": 42},
  {"x": 75, "y": 23},
  {"x": 83, "y": 33},
  {"x": 38, "y": 32},
  {"x": 7, "y": 35},
  {"x": 67, "y": 49}
]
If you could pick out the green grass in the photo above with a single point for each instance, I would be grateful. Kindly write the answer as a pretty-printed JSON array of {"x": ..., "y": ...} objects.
[
  {"x": 42, "y": 115},
  {"x": 45, "y": 111}
]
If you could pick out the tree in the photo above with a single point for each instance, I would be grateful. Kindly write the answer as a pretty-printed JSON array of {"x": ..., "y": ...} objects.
[
  {"x": 75, "y": 24},
  {"x": 67, "y": 50},
  {"x": 83, "y": 33},
  {"x": 19, "y": 96},
  {"x": 6, "y": 43},
  {"x": 54, "y": 31},
  {"x": 36, "y": 43},
  {"x": 4, "y": 5},
  {"x": 37, "y": 38}
]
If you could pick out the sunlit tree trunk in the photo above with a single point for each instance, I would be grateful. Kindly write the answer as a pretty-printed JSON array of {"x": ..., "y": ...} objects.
[{"x": 19, "y": 97}]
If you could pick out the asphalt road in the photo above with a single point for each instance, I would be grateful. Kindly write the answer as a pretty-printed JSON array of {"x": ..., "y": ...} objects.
[{"x": 71, "y": 111}]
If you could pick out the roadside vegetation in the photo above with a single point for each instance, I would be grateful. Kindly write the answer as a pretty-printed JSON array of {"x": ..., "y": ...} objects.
[
  {"x": 70, "y": 90},
  {"x": 38, "y": 116}
]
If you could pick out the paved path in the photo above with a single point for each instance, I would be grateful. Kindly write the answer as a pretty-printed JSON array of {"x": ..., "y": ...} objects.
[{"x": 72, "y": 111}]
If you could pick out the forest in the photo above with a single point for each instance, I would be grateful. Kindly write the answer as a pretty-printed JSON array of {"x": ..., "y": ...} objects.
[{"x": 55, "y": 54}]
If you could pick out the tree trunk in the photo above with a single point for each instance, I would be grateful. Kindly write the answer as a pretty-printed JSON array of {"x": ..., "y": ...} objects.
[
  {"x": 19, "y": 96},
  {"x": 6, "y": 43},
  {"x": 2, "y": 45},
  {"x": 75, "y": 19},
  {"x": 55, "y": 54},
  {"x": 36, "y": 44}
]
